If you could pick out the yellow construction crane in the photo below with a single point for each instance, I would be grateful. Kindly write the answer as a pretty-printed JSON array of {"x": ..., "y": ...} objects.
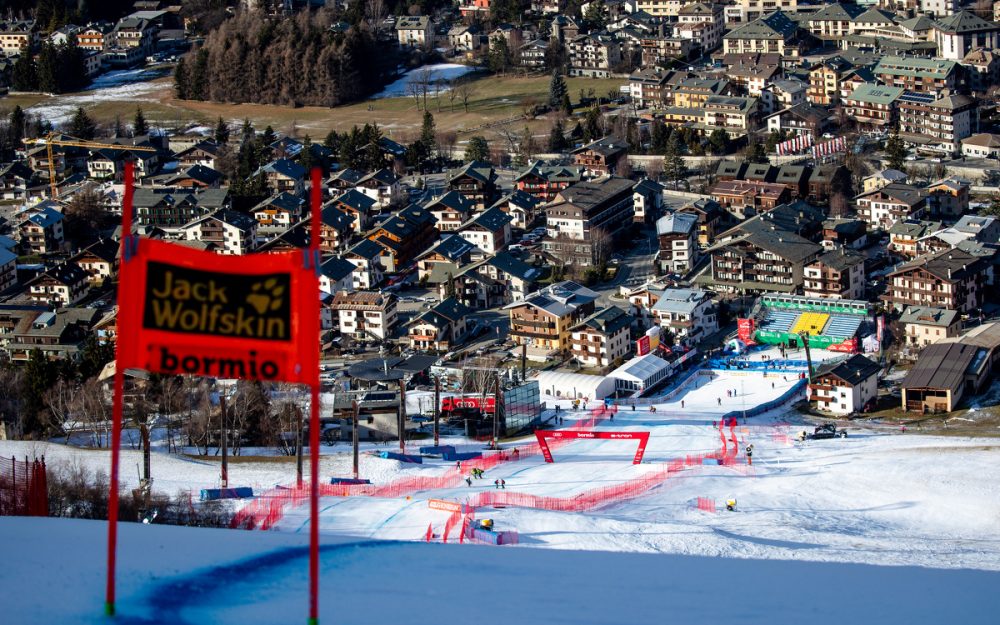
[{"x": 50, "y": 140}]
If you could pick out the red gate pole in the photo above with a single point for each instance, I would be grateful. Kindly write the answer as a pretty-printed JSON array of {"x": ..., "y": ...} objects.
[
  {"x": 314, "y": 419},
  {"x": 116, "y": 425}
]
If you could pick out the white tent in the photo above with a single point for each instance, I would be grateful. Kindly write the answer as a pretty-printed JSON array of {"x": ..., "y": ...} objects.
[
  {"x": 641, "y": 373},
  {"x": 569, "y": 385}
]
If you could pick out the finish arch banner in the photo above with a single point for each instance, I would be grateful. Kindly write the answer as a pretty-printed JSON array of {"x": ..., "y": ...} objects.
[
  {"x": 544, "y": 435},
  {"x": 200, "y": 313}
]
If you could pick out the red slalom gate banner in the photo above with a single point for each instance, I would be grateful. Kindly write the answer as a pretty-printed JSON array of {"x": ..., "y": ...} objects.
[
  {"x": 544, "y": 435},
  {"x": 187, "y": 312}
]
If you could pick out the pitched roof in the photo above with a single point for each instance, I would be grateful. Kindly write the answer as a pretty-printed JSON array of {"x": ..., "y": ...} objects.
[
  {"x": 948, "y": 264},
  {"x": 876, "y": 94},
  {"x": 677, "y": 223},
  {"x": 607, "y": 321},
  {"x": 352, "y": 198},
  {"x": 942, "y": 366},
  {"x": 928, "y": 316},
  {"x": 492, "y": 219},
  {"x": 841, "y": 260},
  {"x": 284, "y": 167},
  {"x": 776, "y": 25},
  {"x": 964, "y": 22},
  {"x": 336, "y": 268},
  {"x": 558, "y": 299},
  {"x": 854, "y": 370},
  {"x": 483, "y": 172}
]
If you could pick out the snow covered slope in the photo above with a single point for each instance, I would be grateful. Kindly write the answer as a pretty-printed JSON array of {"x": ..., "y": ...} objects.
[{"x": 179, "y": 576}]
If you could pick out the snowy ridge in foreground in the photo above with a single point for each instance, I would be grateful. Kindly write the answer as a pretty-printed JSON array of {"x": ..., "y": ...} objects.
[{"x": 186, "y": 576}]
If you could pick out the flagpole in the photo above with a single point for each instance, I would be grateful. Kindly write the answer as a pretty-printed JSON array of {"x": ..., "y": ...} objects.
[
  {"x": 316, "y": 197},
  {"x": 117, "y": 410}
]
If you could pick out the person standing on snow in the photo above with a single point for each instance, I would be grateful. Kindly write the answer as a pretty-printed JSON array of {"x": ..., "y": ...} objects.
[
  {"x": 468, "y": 480},
  {"x": 503, "y": 484},
  {"x": 496, "y": 483}
]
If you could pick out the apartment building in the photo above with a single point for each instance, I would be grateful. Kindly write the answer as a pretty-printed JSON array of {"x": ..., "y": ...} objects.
[
  {"x": 837, "y": 274},
  {"x": 365, "y": 314},
  {"x": 602, "y": 338},
  {"x": 937, "y": 122},
  {"x": 543, "y": 320},
  {"x": 923, "y": 75},
  {"x": 883, "y": 207},
  {"x": 584, "y": 219},
  {"x": 677, "y": 234},
  {"x": 924, "y": 325},
  {"x": 689, "y": 315},
  {"x": 951, "y": 279}
]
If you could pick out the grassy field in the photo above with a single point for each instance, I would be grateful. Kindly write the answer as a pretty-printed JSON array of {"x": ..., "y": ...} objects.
[{"x": 493, "y": 98}]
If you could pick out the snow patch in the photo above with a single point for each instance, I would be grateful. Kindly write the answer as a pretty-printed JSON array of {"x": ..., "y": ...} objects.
[{"x": 439, "y": 72}]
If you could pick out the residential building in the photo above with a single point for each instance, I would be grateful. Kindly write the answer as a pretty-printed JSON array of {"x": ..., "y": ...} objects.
[
  {"x": 702, "y": 22},
  {"x": 543, "y": 320},
  {"x": 403, "y": 236},
  {"x": 135, "y": 33},
  {"x": 905, "y": 235},
  {"x": 365, "y": 314},
  {"x": 923, "y": 325},
  {"x": 939, "y": 123},
  {"x": 546, "y": 181},
  {"x": 687, "y": 315},
  {"x": 601, "y": 157},
  {"x": 826, "y": 78},
  {"x": 277, "y": 213},
  {"x": 440, "y": 328},
  {"x": 800, "y": 120},
  {"x": 774, "y": 32},
  {"x": 958, "y": 34},
  {"x": 17, "y": 37},
  {"x": 746, "y": 198},
  {"x": 846, "y": 387},
  {"x": 923, "y": 75},
  {"x": 55, "y": 334},
  {"x": 648, "y": 87},
  {"x": 881, "y": 179},
  {"x": 99, "y": 260},
  {"x": 982, "y": 145},
  {"x": 983, "y": 68},
  {"x": 63, "y": 285},
  {"x": 677, "y": 233},
  {"x": 169, "y": 207},
  {"x": 647, "y": 201},
  {"x": 743, "y": 11},
  {"x": 837, "y": 274},
  {"x": 763, "y": 254},
  {"x": 451, "y": 210},
  {"x": 284, "y": 175},
  {"x": 885, "y": 206},
  {"x": 41, "y": 232},
  {"x": 360, "y": 207},
  {"x": 230, "y": 231},
  {"x": 873, "y": 106},
  {"x": 8, "y": 269},
  {"x": 477, "y": 182},
  {"x": 593, "y": 55},
  {"x": 366, "y": 257},
  {"x": 710, "y": 218},
  {"x": 952, "y": 279},
  {"x": 948, "y": 198},
  {"x": 602, "y": 339},
  {"x": 489, "y": 231},
  {"x": 584, "y": 219},
  {"x": 382, "y": 185},
  {"x": 414, "y": 31},
  {"x": 522, "y": 208}
]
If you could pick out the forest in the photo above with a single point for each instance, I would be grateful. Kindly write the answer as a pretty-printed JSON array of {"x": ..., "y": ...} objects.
[{"x": 299, "y": 61}]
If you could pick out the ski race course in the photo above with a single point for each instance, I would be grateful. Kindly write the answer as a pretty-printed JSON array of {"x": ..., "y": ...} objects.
[{"x": 878, "y": 527}]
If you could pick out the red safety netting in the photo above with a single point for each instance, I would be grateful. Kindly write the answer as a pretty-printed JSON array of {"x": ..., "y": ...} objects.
[
  {"x": 265, "y": 511},
  {"x": 705, "y": 504},
  {"x": 23, "y": 488}
]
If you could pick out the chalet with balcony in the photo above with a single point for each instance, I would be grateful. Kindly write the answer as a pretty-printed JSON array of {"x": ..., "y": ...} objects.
[{"x": 602, "y": 339}]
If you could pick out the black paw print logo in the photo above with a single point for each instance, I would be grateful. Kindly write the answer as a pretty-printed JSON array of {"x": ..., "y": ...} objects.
[{"x": 266, "y": 296}]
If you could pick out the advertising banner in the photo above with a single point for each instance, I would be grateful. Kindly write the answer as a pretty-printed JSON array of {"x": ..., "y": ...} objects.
[
  {"x": 745, "y": 330},
  {"x": 201, "y": 313}
]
